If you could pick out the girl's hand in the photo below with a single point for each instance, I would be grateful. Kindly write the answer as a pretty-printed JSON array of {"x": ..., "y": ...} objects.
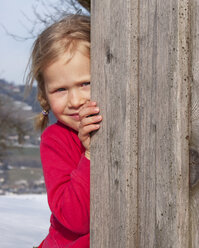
[{"x": 89, "y": 121}]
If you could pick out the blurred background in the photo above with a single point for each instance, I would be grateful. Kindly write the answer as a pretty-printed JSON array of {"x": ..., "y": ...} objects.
[{"x": 24, "y": 214}]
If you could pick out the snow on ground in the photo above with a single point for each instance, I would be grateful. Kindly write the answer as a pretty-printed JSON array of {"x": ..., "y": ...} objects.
[{"x": 24, "y": 220}]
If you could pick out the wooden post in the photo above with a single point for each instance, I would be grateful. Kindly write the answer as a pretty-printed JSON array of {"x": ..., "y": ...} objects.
[
  {"x": 194, "y": 167},
  {"x": 140, "y": 71}
]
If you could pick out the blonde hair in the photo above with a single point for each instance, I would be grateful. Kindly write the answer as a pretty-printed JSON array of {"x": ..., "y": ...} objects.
[{"x": 63, "y": 36}]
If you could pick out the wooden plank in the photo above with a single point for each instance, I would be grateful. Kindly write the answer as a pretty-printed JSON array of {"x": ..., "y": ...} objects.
[
  {"x": 194, "y": 154},
  {"x": 140, "y": 157},
  {"x": 114, "y": 149},
  {"x": 163, "y": 123}
]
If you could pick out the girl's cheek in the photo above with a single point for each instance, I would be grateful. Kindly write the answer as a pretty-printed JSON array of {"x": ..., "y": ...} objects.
[
  {"x": 88, "y": 94},
  {"x": 56, "y": 104}
]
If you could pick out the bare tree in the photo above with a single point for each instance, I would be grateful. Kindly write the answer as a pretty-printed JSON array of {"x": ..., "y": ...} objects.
[
  {"x": 50, "y": 13},
  {"x": 11, "y": 123}
]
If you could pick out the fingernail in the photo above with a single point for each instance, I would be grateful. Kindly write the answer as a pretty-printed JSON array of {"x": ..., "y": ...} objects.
[
  {"x": 99, "y": 117},
  {"x": 97, "y": 109}
]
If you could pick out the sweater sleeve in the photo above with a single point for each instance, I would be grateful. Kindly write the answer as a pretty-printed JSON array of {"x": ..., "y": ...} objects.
[{"x": 67, "y": 184}]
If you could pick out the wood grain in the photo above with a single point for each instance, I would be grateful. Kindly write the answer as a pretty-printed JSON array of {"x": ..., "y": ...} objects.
[
  {"x": 140, "y": 66},
  {"x": 114, "y": 148},
  {"x": 194, "y": 151},
  {"x": 164, "y": 121}
]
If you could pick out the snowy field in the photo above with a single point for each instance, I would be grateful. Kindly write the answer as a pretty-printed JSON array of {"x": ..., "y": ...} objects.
[{"x": 24, "y": 220}]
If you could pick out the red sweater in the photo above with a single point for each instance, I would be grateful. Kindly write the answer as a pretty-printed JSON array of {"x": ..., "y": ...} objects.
[{"x": 67, "y": 178}]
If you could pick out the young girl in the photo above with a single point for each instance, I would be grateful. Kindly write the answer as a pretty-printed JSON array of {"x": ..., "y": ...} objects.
[{"x": 60, "y": 63}]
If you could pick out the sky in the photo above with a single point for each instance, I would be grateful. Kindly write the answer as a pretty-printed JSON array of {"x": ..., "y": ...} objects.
[{"x": 15, "y": 54}]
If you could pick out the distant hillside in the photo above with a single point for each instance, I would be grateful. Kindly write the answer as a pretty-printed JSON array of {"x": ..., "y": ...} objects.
[
  {"x": 20, "y": 166},
  {"x": 17, "y": 94}
]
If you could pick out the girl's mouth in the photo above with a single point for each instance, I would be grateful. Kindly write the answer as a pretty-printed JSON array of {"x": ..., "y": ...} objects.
[{"x": 75, "y": 117}]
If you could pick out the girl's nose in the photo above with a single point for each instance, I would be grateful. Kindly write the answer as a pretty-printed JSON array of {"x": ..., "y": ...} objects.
[{"x": 75, "y": 99}]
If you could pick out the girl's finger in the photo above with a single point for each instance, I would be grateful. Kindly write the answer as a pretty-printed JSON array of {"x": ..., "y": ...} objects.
[
  {"x": 88, "y": 129},
  {"x": 91, "y": 120},
  {"x": 87, "y": 111},
  {"x": 88, "y": 104}
]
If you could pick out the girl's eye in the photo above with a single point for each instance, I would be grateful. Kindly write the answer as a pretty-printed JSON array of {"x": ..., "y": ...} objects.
[
  {"x": 60, "y": 89},
  {"x": 85, "y": 84}
]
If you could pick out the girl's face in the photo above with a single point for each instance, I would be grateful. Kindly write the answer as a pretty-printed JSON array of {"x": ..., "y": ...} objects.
[{"x": 67, "y": 87}]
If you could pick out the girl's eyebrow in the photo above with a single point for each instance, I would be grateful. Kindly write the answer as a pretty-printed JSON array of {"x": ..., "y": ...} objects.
[{"x": 83, "y": 80}]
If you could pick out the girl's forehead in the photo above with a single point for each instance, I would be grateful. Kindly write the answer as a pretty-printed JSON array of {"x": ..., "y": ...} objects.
[
  {"x": 82, "y": 48},
  {"x": 67, "y": 56},
  {"x": 67, "y": 69}
]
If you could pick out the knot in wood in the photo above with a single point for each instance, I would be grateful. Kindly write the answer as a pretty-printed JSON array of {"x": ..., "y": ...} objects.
[
  {"x": 109, "y": 56},
  {"x": 194, "y": 167}
]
